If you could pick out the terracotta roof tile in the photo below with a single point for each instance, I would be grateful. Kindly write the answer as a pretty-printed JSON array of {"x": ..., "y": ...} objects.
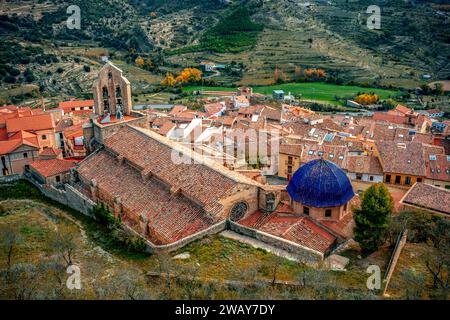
[
  {"x": 402, "y": 157},
  {"x": 30, "y": 123},
  {"x": 364, "y": 164},
  {"x": 428, "y": 197},
  {"x": 48, "y": 168}
]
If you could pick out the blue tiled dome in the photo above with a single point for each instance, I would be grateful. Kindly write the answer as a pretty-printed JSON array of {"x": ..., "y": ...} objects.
[{"x": 320, "y": 183}]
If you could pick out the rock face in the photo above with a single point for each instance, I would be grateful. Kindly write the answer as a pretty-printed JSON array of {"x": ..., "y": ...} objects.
[
  {"x": 182, "y": 256},
  {"x": 336, "y": 262}
]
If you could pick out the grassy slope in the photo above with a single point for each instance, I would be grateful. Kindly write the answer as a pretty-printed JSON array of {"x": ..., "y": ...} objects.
[
  {"x": 310, "y": 91},
  {"x": 215, "y": 256}
]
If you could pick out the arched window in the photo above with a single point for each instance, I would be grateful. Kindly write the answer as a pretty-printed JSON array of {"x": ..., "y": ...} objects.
[
  {"x": 238, "y": 211},
  {"x": 106, "y": 99}
]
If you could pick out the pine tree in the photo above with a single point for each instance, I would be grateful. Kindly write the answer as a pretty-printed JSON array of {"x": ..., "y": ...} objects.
[{"x": 372, "y": 218}]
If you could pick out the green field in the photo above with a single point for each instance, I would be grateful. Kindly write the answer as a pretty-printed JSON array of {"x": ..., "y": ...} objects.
[{"x": 314, "y": 91}]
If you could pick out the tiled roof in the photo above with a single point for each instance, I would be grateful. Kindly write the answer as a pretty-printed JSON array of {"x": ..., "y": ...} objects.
[
  {"x": 16, "y": 140},
  {"x": 166, "y": 127},
  {"x": 170, "y": 216},
  {"x": 50, "y": 152},
  {"x": 48, "y": 168},
  {"x": 213, "y": 108},
  {"x": 428, "y": 197},
  {"x": 298, "y": 229},
  {"x": 271, "y": 113},
  {"x": 336, "y": 154},
  {"x": 402, "y": 157},
  {"x": 438, "y": 168},
  {"x": 204, "y": 182},
  {"x": 291, "y": 149},
  {"x": 178, "y": 109},
  {"x": 255, "y": 109},
  {"x": 68, "y": 105},
  {"x": 403, "y": 109},
  {"x": 30, "y": 123},
  {"x": 10, "y": 112},
  {"x": 74, "y": 131},
  {"x": 364, "y": 164}
]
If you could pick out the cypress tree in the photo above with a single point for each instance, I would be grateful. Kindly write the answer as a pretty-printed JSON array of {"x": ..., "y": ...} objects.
[{"x": 372, "y": 218}]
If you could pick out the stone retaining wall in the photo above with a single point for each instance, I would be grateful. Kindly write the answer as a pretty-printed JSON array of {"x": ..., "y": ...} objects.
[
  {"x": 303, "y": 254},
  {"x": 11, "y": 178}
]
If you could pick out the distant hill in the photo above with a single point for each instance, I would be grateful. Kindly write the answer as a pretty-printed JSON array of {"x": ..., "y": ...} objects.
[{"x": 259, "y": 35}]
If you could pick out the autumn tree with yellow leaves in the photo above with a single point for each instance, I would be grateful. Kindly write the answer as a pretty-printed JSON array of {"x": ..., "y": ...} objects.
[
  {"x": 169, "y": 80},
  {"x": 367, "y": 98},
  {"x": 189, "y": 75},
  {"x": 139, "y": 62}
]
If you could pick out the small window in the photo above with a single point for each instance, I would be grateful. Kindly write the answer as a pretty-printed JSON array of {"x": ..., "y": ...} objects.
[
  {"x": 398, "y": 179},
  {"x": 58, "y": 179},
  {"x": 306, "y": 211},
  {"x": 432, "y": 157},
  {"x": 341, "y": 157},
  {"x": 320, "y": 153},
  {"x": 438, "y": 170},
  {"x": 388, "y": 178},
  {"x": 371, "y": 178},
  {"x": 44, "y": 137},
  {"x": 328, "y": 213},
  {"x": 25, "y": 155},
  {"x": 331, "y": 155},
  {"x": 419, "y": 179},
  {"x": 408, "y": 181},
  {"x": 310, "y": 152},
  {"x": 409, "y": 161}
]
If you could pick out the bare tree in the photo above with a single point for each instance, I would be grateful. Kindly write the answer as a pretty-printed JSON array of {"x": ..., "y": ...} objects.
[
  {"x": 10, "y": 239},
  {"x": 65, "y": 245},
  {"x": 22, "y": 281}
]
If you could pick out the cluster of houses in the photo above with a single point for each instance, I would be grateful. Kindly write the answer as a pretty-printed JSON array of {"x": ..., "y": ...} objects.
[
  {"x": 43, "y": 142},
  {"x": 280, "y": 172}
]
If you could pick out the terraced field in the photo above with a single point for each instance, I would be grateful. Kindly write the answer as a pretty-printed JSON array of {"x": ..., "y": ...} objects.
[{"x": 314, "y": 91}]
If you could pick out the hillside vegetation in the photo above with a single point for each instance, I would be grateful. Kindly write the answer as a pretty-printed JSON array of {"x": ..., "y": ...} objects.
[{"x": 39, "y": 51}]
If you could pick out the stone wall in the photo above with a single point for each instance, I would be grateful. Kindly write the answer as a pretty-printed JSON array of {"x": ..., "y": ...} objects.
[
  {"x": 77, "y": 201},
  {"x": 67, "y": 196},
  {"x": 10, "y": 178},
  {"x": 306, "y": 255},
  {"x": 152, "y": 248},
  {"x": 401, "y": 241}
]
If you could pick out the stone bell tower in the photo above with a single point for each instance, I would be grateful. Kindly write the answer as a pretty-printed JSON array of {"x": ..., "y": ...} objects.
[{"x": 112, "y": 92}]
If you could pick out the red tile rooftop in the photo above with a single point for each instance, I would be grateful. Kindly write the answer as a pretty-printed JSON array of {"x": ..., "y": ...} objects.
[
  {"x": 428, "y": 197},
  {"x": 48, "y": 168},
  {"x": 170, "y": 217},
  {"x": 30, "y": 123},
  {"x": 298, "y": 229},
  {"x": 68, "y": 105}
]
